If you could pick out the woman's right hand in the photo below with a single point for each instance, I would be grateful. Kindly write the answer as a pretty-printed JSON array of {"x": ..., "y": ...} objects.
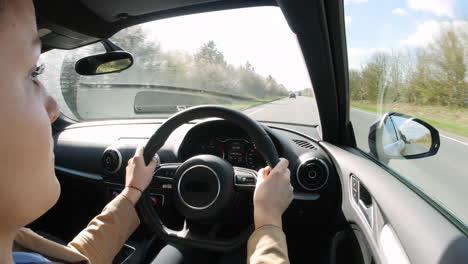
[
  {"x": 273, "y": 194},
  {"x": 138, "y": 175}
]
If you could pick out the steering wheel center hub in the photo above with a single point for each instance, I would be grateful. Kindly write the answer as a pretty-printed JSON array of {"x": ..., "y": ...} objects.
[
  {"x": 205, "y": 187},
  {"x": 199, "y": 187}
]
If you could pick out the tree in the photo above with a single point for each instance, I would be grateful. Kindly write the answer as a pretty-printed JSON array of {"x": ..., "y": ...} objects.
[
  {"x": 374, "y": 76},
  {"x": 175, "y": 69},
  {"x": 209, "y": 54},
  {"x": 434, "y": 74},
  {"x": 395, "y": 83},
  {"x": 355, "y": 85},
  {"x": 273, "y": 88},
  {"x": 423, "y": 89},
  {"x": 307, "y": 92},
  {"x": 449, "y": 56},
  {"x": 252, "y": 83},
  {"x": 210, "y": 67}
]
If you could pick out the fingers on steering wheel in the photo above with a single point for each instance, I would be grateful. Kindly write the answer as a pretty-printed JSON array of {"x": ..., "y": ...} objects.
[
  {"x": 265, "y": 172},
  {"x": 282, "y": 164},
  {"x": 153, "y": 163},
  {"x": 139, "y": 151}
]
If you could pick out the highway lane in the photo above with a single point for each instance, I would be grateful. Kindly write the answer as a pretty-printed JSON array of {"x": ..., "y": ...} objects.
[
  {"x": 287, "y": 110},
  {"x": 302, "y": 110},
  {"x": 444, "y": 176}
]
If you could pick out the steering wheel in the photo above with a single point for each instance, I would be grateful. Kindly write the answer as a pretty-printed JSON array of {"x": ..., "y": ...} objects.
[{"x": 204, "y": 186}]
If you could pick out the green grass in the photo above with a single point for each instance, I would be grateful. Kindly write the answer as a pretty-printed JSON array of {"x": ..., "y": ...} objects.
[
  {"x": 454, "y": 128},
  {"x": 444, "y": 118},
  {"x": 269, "y": 99},
  {"x": 365, "y": 107}
]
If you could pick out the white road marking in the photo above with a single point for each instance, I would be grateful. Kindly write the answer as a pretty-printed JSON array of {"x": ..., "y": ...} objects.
[
  {"x": 256, "y": 111},
  {"x": 461, "y": 142}
]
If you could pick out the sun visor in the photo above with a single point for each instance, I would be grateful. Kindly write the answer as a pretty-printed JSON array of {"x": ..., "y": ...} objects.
[
  {"x": 55, "y": 37},
  {"x": 113, "y": 10}
]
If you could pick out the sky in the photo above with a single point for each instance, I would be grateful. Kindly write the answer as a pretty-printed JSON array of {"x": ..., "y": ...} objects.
[{"x": 261, "y": 35}]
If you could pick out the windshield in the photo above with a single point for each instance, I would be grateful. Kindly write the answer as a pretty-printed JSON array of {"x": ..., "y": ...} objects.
[{"x": 246, "y": 59}]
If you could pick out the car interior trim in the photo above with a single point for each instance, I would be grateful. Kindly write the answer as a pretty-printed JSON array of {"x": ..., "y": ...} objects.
[
  {"x": 391, "y": 246},
  {"x": 436, "y": 205},
  {"x": 318, "y": 58},
  {"x": 83, "y": 174},
  {"x": 295, "y": 132},
  {"x": 447, "y": 245}
]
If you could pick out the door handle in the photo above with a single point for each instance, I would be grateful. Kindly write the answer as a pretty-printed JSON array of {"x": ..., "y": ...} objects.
[{"x": 363, "y": 200}]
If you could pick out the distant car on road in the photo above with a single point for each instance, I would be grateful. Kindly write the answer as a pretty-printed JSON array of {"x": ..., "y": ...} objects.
[{"x": 292, "y": 95}]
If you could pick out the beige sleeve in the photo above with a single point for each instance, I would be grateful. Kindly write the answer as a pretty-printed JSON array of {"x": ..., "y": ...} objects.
[
  {"x": 267, "y": 245},
  {"x": 105, "y": 235}
]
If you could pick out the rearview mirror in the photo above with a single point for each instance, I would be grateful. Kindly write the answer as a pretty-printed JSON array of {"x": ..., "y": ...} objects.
[
  {"x": 109, "y": 62},
  {"x": 399, "y": 136}
]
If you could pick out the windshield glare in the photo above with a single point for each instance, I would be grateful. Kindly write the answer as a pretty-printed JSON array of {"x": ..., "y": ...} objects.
[{"x": 239, "y": 61}]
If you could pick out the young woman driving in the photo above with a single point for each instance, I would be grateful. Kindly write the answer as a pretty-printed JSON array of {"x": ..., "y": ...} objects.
[{"x": 29, "y": 187}]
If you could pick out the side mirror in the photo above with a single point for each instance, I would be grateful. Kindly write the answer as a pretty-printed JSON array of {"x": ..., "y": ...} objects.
[
  {"x": 399, "y": 136},
  {"x": 109, "y": 62}
]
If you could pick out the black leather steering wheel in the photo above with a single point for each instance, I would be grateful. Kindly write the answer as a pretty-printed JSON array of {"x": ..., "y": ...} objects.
[{"x": 203, "y": 186}]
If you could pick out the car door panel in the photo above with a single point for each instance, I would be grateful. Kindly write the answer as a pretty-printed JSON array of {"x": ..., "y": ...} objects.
[{"x": 403, "y": 225}]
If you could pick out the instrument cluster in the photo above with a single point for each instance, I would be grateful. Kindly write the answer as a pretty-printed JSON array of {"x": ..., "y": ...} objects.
[{"x": 238, "y": 152}]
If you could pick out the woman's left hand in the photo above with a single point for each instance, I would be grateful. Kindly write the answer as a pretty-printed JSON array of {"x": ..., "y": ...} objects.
[{"x": 138, "y": 175}]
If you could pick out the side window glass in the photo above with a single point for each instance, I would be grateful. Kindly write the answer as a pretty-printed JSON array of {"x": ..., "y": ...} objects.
[{"x": 408, "y": 81}]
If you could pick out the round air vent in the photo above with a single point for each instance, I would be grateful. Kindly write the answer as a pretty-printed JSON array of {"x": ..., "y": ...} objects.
[
  {"x": 111, "y": 160},
  {"x": 312, "y": 174}
]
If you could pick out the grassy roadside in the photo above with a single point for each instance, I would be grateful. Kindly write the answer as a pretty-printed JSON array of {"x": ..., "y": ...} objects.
[
  {"x": 242, "y": 105},
  {"x": 444, "y": 118}
]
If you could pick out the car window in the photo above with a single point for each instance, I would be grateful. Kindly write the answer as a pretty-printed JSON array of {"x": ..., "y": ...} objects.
[
  {"x": 240, "y": 61},
  {"x": 411, "y": 57}
]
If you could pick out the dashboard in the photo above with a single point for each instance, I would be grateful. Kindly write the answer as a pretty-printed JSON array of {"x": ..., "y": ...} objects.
[
  {"x": 100, "y": 152},
  {"x": 91, "y": 159}
]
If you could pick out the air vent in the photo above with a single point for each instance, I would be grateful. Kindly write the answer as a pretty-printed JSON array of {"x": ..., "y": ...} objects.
[
  {"x": 313, "y": 174},
  {"x": 304, "y": 144},
  {"x": 111, "y": 160}
]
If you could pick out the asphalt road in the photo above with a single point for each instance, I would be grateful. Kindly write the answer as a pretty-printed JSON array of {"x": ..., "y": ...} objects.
[{"x": 444, "y": 176}]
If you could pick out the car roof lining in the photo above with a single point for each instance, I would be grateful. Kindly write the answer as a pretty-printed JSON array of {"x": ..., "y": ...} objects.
[
  {"x": 120, "y": 8},
  {"x": 64, "y": 20}
]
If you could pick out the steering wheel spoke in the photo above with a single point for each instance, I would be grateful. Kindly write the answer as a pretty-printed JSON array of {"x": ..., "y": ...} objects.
[
  {"x": 179, "y": 233},
  {"x": 245, "y": 179},
  {"x": 163, "y": 176}
]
